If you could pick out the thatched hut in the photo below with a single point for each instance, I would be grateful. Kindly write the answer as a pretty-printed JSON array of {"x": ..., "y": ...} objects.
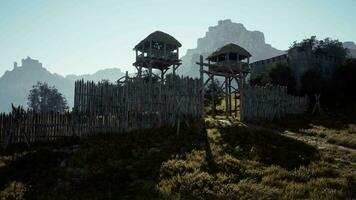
[
  {"x": 158, "y": 50},
  {"x": 230, "y": 58}
]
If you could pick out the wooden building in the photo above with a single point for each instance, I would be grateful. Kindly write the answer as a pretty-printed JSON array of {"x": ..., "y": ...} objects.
[
  {"x": 232, "y": 63},
  {"x": 229, "y": 59},
  {"x": 158, "y": 51}
]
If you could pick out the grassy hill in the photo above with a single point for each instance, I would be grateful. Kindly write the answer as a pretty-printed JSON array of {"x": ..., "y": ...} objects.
[{"x": 301, "y": 157}]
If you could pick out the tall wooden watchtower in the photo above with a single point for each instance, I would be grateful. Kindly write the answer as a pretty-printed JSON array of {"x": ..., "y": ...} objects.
[
  {"x": 230, "y": 62},
  {"x": 157, "y": 51}
]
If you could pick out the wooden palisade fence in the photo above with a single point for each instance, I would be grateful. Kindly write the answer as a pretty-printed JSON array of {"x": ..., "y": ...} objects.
[
  {"x": 270, "y": 102},
  {"x": 174, "y": 98},
  {"x": 109, "y": 108}
]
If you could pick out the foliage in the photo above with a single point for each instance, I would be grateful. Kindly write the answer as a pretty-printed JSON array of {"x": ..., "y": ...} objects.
[
  {"x": 261, "y": 80},
  {"x": 336, "y": 90},
  {"x": 213, "y": 87},
  {"x": 313, "y": 83},
  {"x": 305, "y": 45},
  {"x": 345, "y": 81},
  {"x": 282, "y": 75},
  {"x": 43, "y": 98},
  {"x": 14, "y": 190},
  {"x": 327, "y": 47}
]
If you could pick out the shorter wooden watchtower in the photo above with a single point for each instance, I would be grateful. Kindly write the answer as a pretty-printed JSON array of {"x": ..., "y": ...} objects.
[
  {"x": 158, "y": 51},
  {"x": 230, "y": 62}
]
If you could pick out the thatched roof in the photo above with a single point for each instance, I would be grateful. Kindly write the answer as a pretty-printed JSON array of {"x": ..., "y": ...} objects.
[
  {"x": 159, "y": 36},
  {"x": 230, "y": 48}
]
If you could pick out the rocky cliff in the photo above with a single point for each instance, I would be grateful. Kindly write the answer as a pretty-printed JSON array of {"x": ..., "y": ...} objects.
[
  {"x": 110, "y": 74},
  {"x": 227, "y": 32},
  {"x": 352, "y": 48},
  {"x": 16, "y": 84}
]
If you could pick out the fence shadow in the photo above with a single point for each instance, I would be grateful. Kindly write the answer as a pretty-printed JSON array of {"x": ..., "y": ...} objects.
[
  {"x": 113, "y": 165},
  {"x": 330, "y": 118},
  {"x": 268, "y": 147}
]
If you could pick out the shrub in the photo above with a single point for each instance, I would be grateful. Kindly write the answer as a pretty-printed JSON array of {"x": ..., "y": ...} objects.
[
  {"x": 282, "y": 75},
  {"x": 213, "y": 87},
  {"x": 261, "y": 80}
]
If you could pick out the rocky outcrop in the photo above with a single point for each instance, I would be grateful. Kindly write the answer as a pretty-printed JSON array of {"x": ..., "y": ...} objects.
[
  {"x": 16, "y": 84},
  {"x": 227, "y": 32},
  {"x": 351, "y": 46},
  {"x": 110, "y": 74}
]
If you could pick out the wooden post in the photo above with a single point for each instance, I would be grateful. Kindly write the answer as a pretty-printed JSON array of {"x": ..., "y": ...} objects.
[
  {"x": 226, "y": 97},
  {"x": 150, "y": 67},
  {"x": 127, "y": 101},
  {"x": 214, "y": 96},
  {"x": 241, "y": 97},
  {"x": 174, "y": 70},
  {"x": 202, "y": 83},
  {"x": 235, "y": 101},
  {"x": 230, "y": 91}
]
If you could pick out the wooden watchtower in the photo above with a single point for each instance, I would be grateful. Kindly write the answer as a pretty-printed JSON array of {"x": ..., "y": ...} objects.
[
  {"x": 157, "y": 51},
  {"x": 230, "y": 62}
]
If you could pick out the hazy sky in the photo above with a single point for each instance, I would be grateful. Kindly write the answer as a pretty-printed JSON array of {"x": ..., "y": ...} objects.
[{"x": 83, "y": 36}]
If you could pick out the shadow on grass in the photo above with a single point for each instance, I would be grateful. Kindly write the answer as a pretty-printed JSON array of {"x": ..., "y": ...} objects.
[
  {"x": 35, "y": 165},
  {"x": 116, "y": 166},
  {"x": 128, "y": 166},
  {"x": 268, "y": 147},
  {"x": 332, "y": 118}
]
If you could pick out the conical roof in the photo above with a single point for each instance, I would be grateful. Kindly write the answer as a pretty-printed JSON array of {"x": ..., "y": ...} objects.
[
  {"x": 160, "y": 37},
  {"x": 230, "y": 48}
]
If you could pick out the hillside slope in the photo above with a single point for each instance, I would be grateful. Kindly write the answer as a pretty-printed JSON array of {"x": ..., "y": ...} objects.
[{"x": 218, "y": 159}]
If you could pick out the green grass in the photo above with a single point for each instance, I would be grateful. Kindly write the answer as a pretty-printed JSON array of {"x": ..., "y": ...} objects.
[
  {"x": 217, "y": 159},
  {"x": 337, "y": 126}
]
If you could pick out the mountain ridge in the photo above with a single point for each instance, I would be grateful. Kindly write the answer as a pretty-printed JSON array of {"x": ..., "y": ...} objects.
[
  {"x": 351, "y": 46},
  {"x": 15, "y": 84},
  {"x": 221, "y": 34}
]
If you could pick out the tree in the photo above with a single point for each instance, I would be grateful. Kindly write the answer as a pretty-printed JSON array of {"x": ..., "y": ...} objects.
[
  {"x": 344, "y": 81},
  {"x": 327, "y": 47},
  {"x": 43, "y": 98},
  {"x": 305, "y": 45},
  {"x": 337, "y": 90},
  {"x": 261, "y": 80},
  {"x": 282, "y": 75},
  {"x": 313, "y": 83},
  {"x": 331, "y": 48},
  {"x": 214, "y": 86}
]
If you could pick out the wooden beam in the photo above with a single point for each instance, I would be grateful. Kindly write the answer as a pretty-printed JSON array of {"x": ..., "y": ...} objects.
[
  {"x": 202, "y": 82},
  {"x": 229, "y": 80},
  {"x": 207, "y": 80},
  {"x": 220, "y": 74},
  {"x": 226, "y": 98},
  {"x": 214, "y": 104}
]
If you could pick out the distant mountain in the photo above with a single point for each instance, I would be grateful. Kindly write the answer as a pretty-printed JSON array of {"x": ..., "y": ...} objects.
[
  {"x": 227, "y": 32},
  {"x": 352, "y": 48},
  {"x": 16, "y": 84},
  {"x": 111, "y": 74}
]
